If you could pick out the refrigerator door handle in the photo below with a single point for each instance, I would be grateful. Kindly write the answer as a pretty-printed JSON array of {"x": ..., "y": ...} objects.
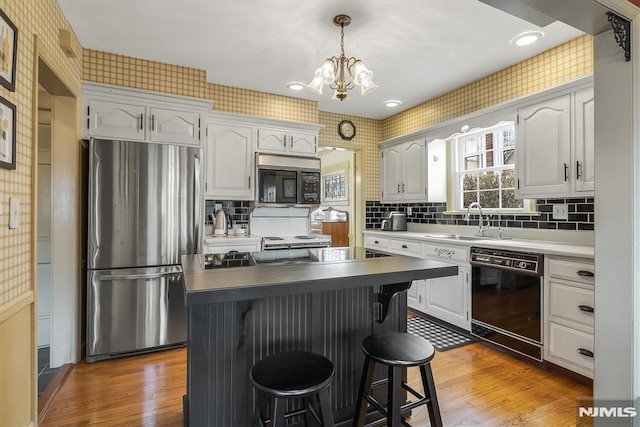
[
  {"x": 197, "y": 209},
  {"x": 139, "y": 276}
]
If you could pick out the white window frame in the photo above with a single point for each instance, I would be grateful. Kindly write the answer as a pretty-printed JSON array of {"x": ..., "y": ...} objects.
[{"x": 455, "y": 205}]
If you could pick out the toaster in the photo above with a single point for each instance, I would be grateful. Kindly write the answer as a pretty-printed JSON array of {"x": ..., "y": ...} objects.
[{"x": 394, "y": 221}]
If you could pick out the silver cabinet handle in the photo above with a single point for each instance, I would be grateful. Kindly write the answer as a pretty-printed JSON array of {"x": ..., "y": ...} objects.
[
  {"x": 566, "y": 172},
  {"x": 403, "y": 187},
  {"x": 578, "y": 170},
  {"x": 153, "y": 122},
  {"x": 398, "y": 188},
  {"x": 249, "y": 181},
  {"x": 141, "y": 121}
]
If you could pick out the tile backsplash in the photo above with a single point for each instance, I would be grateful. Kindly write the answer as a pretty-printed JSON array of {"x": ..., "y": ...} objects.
[
  {"x": 580, "y": 210},
  {"x": 238, "y": 210}
]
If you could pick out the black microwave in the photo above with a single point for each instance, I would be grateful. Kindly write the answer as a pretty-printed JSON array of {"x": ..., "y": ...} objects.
[{"x": 287, "y": 180}]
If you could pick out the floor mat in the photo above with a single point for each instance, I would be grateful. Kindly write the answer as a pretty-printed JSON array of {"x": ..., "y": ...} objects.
[{"x": 441, "y": 338}]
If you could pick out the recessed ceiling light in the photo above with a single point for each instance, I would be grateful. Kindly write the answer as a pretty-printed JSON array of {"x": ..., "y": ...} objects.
[
  {"x": 392, "y": 103},
  {"x": 527, "y": 38},
  {"x": 295, "y": 85}
]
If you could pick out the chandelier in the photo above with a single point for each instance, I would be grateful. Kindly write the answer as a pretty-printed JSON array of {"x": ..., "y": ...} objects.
[{"x": 332, "y": 72}]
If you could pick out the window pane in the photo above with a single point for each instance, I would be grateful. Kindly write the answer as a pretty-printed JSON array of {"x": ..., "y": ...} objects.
[
  {"x": 508, "y": 138},
  {"x": 508, "y": 178},
  {"x": 490, "y": 199},
  {"x": 509, "y": 200},
  {"x": 470, "y": 182},
  {"x": 469, "y": 197},
  {"x": 488, "y": 181},
  {"x": 472, "y": 162},
  {"x": 473, "y": 144},
  {"x": 508, "y": 157}
]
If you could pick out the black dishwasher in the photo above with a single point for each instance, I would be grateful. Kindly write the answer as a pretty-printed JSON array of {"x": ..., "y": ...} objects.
[{"x": 506, "y": 299}]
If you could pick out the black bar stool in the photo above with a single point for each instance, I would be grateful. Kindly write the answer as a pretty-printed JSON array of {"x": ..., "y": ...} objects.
[
  {"x": 396, "y": 350},
  {"x": 289, "y": 375}
]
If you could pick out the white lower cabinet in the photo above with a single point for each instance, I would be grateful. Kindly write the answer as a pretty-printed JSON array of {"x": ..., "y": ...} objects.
[
  {"x": 569, "y": 314},
  {"x": 445, "y": 298}
]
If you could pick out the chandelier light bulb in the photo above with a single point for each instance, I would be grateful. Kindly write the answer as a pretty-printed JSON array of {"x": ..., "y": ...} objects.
[{"x": 332, "y": 72}]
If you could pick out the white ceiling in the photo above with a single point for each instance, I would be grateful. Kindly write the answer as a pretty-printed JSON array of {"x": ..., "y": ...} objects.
[{"x": 417, "y": 49}]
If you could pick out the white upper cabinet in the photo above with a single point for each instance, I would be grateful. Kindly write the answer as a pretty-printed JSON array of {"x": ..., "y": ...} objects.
[
  {"x": 303, "y": 143},
  {"x": 414, "y": 170},
  {"x": 391, "y": 174},
  {"x": 286, "y": 141},
  {"x": 584, "y": 141},
  {"x": 121, "y": 113},
  {"x": 229, "y": 168},
  {"x": 110, "y": 119},
  {"x": 174, "y": 126},
  {"x": 554, "y": 141},
  {"x": 403, "y": 172},
  {"x": 543, "y": 141}
]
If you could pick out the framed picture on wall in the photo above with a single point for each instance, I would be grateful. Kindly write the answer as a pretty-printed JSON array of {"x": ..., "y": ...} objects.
[
  {"x": 7, "y": 134},
  {"x": 335, "y": 187},
  {"x": 8, "y": 47}
]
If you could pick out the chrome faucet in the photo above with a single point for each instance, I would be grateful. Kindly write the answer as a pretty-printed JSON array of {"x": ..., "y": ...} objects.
[
  {"x": 482, "y": 227},
  {"x": 500, "y": 230}
]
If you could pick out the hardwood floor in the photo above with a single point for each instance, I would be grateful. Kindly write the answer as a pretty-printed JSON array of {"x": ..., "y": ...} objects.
[{"x": 477, "y": 386}]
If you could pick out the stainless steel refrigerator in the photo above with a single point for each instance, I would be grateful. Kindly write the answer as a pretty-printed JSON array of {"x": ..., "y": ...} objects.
[{"x": 145, "y": 206}]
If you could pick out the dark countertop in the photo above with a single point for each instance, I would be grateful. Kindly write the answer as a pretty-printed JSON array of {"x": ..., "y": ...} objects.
[{"x": 335, "y": 268}]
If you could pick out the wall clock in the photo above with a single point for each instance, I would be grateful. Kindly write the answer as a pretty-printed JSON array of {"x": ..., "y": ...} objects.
[{"x": 347, "y": 130}]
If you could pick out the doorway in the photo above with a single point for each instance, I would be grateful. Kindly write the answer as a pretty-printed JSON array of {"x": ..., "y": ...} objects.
[
  {"x": 341, "y": 192},
  {"x": 56, "y": 225}
]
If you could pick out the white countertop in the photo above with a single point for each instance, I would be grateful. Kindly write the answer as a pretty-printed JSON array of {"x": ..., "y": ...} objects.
[
  {"x": 528, "y": 245},
  {"x": 225, "y": 239}
]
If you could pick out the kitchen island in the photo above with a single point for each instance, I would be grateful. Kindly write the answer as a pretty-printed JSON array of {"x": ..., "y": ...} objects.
[{"x": 321, "y": 300}]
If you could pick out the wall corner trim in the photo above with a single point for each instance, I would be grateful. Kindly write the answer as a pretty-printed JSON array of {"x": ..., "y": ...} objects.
[{"x": 15, "y": 306}]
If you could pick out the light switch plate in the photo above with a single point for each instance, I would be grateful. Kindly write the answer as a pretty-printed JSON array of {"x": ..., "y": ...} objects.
[
  {"x": 14, "y": 212},
  {"x": 560, "y": 211}
]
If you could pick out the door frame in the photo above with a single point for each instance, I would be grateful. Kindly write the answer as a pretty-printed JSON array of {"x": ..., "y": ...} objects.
[
  {"x": 65, "y": 165},
  {"x": 359, "y": 207}
]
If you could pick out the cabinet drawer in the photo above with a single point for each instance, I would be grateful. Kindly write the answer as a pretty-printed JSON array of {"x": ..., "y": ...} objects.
[
  {"x": 406, "y": 247},
  {"x": 572, "y": 304},
  {"x": 565, "y": 342},
  {"x": 373, "y": 242},
  {"x": 213, "y": 249},
  {"x": 570, "y": 270},
  {"x": 444, "y": 252}
]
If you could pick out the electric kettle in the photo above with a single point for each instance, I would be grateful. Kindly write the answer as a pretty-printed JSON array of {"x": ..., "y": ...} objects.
[{"x": 221, "y": 222}]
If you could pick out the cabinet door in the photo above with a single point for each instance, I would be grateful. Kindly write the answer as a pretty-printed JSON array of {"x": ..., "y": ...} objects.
[
  {"x": 116, "y": 120},
  {"x": 414, "y": 179},
  {"x": 391, "y": 174},
  {"x": 174, "y": 126},
  {"x": 448, "y": 298},
  {"x": 229, "y": 171},
  {"x": 303, "y": 143},
  {"x": 544, "y": 148},
  {"x": 274, "y": 140},
  {"x": 416, "y": 295},
  {"x": 584, "y": 140}
]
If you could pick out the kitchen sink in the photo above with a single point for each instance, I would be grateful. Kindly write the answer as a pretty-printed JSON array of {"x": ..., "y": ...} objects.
[
  {"x": 463, "y": 237},
  {"x": 456, "y": 237}
]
